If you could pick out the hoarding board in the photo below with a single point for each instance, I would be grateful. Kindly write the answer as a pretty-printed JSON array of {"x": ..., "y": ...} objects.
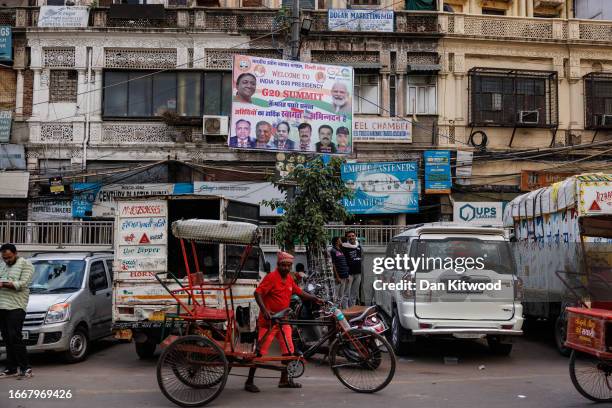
[
  {"x": 6, "y": 43},
  {"x": 248, "y": 192},
  {"x": 291, "y": 106},
  {"x": 479, "y": 213},
  {"x": 382, "y": 130},
  {"x": 63, "y": 16},
  {"x": 360, "y": 20},
  {"x": 382, "y": 187}
]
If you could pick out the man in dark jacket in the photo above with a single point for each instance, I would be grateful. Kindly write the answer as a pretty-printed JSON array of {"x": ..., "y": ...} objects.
[{"x": 354, "y": 255}]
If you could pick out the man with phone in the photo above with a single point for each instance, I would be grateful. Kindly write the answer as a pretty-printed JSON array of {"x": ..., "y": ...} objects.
[{"x": 15, "y": 278}]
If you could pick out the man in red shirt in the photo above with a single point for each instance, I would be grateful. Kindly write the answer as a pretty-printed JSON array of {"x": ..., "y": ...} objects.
[{"x": 274, "y": 295}]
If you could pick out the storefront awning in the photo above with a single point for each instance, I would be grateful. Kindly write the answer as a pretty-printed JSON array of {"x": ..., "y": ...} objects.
[{"x": 14, "y": 184}]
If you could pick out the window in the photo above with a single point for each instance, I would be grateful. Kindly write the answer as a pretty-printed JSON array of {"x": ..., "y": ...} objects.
[
  {"x": 365, "y": 2},
  {"x": 109, "y": 266},
  {"x": 366, "y": 94},
  {"x": 63, "y": 86},
  {"x": 138, "y": 94},
  {"x": 493, "y": 12},
  {"x": 598, "y": 100},
  {"x": 512, "y": 98},
  {"x": 97, "y": 276},
  {"x": 421, "y": 95}
]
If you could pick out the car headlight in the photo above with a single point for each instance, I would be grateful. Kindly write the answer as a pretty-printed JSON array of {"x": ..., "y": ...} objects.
[{"x": 58, "y": 313}]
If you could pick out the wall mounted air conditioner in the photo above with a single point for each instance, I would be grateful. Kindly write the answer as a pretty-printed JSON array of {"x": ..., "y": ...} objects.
[
  {"x": 215, "y": 125},
  {"x": 531, "y": 117},
  {"x": 603, "y": 121}
]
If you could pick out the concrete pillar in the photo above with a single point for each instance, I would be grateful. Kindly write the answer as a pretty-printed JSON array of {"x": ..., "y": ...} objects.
[
  {"x": 386, "y": 97},
  {"x": 19, "y": 95},
  {"x": 40, "y": 93},
  {"x": 400, "y": 94},
  {"x": 522, "y": 7},
  {"x": 95, "y": 103},
  {"x": 459, "y": 97},
  {"x": 401, "y": 219},
  {"x": 529, "y": 8},
  {"x": 440, "y": 5},
  {"x": 81, "y": 92}
]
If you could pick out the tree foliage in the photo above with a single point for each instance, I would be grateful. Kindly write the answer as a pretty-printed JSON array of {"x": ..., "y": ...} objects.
[{"x": 318, "y": 200}]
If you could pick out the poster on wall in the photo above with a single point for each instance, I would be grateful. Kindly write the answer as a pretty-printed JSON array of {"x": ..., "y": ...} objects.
[
  {"x": 6, "y": 43},
  {"x": 290, "y": 106},
  {"x": 382, "y": 187},
  {"x": 437, "y": 171},
  {"x": 47, "y": 210},
  {"x": 248, "y": 192}
]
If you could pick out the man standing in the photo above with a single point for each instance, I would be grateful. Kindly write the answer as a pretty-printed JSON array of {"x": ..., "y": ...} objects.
[
  {"x": 243, "y": 135},
  {"x": 341, "y": 272},
  {"x": 353, "y": 252},
  {"x": 15, "y": 278},
  {"x": 274, "y": 295}
]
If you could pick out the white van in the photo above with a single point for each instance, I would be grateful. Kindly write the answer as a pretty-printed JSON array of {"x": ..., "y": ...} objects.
[{"x": 487, "y": 303}]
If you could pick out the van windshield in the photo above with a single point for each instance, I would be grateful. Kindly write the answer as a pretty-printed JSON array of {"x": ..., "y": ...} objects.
[
  {"x": 494, "y": 255},
  {"x": 57, "y": 276}
]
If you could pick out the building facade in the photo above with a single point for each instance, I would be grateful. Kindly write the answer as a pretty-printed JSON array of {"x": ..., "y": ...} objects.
[{"x": 91, "y": 103}]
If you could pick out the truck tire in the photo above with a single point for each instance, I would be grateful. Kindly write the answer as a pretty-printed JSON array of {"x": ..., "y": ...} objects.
[
  {"x": 396, "y": 336},
  {"x": 499, "y": 348},
  {"x": 561, "y": 336},
  {"x": 78, "y": 346},
  {"x": 145, "y": 350}
]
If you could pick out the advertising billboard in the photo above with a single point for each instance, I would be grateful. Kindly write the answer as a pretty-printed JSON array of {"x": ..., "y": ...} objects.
[
  {"x": 479, "y": 213},
  {"x": 291, "y": 106},
  {"x": 382, "y": 130},
  {"x": 382, "y": 187},
  {"x": 6, "y": 43},
  {"x": 360, "y": 20}
]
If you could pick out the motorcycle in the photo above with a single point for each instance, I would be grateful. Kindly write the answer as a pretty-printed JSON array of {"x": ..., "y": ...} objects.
[{"x": 359, "y": 317}]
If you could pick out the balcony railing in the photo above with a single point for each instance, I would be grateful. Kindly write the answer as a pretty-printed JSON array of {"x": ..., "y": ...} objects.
[
  {"x": 369, "y": 235},
  {"x": 57, "y": 233},
  {"x": 100, "y": 233}
]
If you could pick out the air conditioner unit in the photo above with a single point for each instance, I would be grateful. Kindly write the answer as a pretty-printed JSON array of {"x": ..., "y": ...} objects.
[
  {"x": 603, "y": 121},
  {"x": 531, "y": 117},
  {"x": 215, "y": 125}
]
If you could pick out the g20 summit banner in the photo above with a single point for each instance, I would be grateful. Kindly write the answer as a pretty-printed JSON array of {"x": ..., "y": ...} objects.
[
  {"x": 382, "y": 187},
  {"x": 281, "y": 105}
]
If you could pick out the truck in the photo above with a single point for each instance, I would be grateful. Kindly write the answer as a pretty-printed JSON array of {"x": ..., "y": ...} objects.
[
  {"x": 562, "y": 247},
  {"x": 144, "y": 246}
]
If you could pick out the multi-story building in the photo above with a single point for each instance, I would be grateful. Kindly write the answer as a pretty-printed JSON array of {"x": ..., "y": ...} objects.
[{"x": 90, "y": 100}]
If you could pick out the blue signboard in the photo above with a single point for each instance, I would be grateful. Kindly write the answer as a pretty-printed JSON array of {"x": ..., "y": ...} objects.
[
  {"x": 437, "y": 172},
  {"x": 84, "y": 196},
  {"x": 6, "y": 43},
  {"x": 382, "y": 188}
]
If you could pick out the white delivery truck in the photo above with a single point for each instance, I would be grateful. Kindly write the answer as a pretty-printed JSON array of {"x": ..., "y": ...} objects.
[
  {"x": 144, "y": 246},
  {"x": 562, "y": 247}
]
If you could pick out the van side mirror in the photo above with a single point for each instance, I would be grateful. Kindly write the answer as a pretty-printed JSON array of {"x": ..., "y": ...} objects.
[{"x": 267, "y": 267}]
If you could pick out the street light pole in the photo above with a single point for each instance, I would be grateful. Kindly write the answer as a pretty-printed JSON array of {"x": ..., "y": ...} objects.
[{"x": 295, "y": 30}]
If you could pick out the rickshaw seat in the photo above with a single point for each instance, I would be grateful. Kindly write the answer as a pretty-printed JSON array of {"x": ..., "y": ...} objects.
[{"x": 200, "y": 312}]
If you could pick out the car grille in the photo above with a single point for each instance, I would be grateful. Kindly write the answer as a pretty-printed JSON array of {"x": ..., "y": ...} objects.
[
  {"x": 34, "y": 319},
  {"x": 32, "y": 341},
  {"x": 52, "y": 337}
]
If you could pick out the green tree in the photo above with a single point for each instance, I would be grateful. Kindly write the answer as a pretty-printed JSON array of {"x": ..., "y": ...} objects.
[{"x": 317, "y": 201}]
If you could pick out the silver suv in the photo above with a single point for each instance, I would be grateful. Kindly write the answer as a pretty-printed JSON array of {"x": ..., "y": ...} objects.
[{"x": 70, "y": 303}]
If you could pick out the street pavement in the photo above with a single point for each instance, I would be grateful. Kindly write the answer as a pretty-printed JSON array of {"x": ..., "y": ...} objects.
[{"x": 535, "y": 375}]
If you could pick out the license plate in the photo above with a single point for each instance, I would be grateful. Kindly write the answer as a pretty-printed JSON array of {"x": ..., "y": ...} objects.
[
  {"x": 124, "y": 334},
  {"x": 25, "y": 335},
  {"x": 157, "y": 316},
  {"x": 468, "y": 335}
]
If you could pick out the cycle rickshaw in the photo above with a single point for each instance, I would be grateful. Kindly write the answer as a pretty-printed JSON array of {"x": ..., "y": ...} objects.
[{"x": 195, "y": 364}]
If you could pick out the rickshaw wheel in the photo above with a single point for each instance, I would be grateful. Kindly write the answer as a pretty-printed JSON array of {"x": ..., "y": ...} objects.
[
  {"x": 591, "y": 376},
  {"x": 192, "y": 371}
]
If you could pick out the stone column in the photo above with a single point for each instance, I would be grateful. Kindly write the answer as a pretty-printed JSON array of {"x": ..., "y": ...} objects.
[
  {"x": 386, "y": 97},
  {"x": 95, "y": 88},
  {"x": 38, "y": 93},
  {"x": 522, "y": 7},
  {"x": 82, "y": 94},
  {"x": 529, "y": 8},
  {"x": 19, "y": 95},
  {"x": 400, "y": 93}
]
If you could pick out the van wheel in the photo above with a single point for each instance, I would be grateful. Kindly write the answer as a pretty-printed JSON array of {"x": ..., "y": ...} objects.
[
  {"x": 561, "y": 336},
  {"x": 145, "y": 350},
  {"x": 78, "y": 346},
  {"x": 397, "y": 332},
  {"x": 499, "y": 348}
]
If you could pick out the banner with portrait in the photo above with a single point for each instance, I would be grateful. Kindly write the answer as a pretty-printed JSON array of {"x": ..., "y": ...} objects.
[{"x": 291, "y": 106}]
